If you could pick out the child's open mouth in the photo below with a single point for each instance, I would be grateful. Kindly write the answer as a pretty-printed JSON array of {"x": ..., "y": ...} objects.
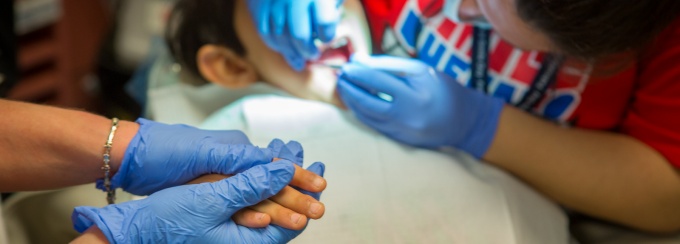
[{"x": 335, "y": 53}]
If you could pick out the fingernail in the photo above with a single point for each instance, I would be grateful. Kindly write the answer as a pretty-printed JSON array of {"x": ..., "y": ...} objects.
[
  {"x": 318, "y": 182},
  {"x": 259, "y": 216},
  {"x": 295, "y": 218},
  {"x": 314, "y": 208}
]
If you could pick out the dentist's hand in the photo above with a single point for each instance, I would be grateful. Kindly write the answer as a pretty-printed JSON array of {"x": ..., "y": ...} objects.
[
  {"x": 161, "y": 156},
  {"x": 194, "y": 213},
  {"x": 291, "y": 26},
  {"x": 428, "y": 109}
]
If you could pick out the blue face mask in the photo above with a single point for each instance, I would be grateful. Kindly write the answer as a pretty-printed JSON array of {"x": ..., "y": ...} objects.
[{"x": 451, "y": 8}]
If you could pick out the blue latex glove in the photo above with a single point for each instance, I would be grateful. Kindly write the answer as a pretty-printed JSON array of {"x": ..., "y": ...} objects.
[
  {"x": 291, "y": 26},
  {"x": 428, "y": 109},
  {"x": 161, "y": 156},
  {"x": 291, "y": 151},
  {"x": 196, "y": 213}
]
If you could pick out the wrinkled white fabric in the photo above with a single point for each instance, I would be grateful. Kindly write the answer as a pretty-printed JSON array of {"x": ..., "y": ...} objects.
[{"x": 380, "y": 191}]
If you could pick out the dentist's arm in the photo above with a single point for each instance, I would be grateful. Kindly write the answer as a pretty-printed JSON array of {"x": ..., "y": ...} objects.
[{"x": 604, "y": 174}]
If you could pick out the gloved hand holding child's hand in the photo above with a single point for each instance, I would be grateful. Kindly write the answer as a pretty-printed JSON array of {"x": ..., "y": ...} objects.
[
  {"x": 196, "y": 213},
  {"x": 162, "y": 156}
]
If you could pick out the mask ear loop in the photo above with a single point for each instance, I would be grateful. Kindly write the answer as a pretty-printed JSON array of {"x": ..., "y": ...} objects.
[{"x": 452, "y": 9}]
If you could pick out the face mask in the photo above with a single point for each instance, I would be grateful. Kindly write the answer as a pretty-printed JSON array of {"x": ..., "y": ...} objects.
[{"x": 451, "y": 8}]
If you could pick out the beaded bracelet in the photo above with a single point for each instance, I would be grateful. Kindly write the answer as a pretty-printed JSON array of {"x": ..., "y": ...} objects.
[{"x": 110, "y": 193}]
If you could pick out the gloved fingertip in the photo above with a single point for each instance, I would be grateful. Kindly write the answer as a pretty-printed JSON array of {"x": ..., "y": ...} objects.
[
  {"x": 349, "y": 73},
  {"x": 295, "y": 147},
  {"x": 264, "y": 31},
  {"x": 287, "y": 154},
  {"x": 276, "y": 143},
  {"x": 278, "y": 29},
  {"x": 297, "y": 64},
  {"x": 351, "y": 70},
  {"x": 305, "y": 48},
  {"x": 318, "y": 168},
  {"x": 328, "y": 33},
  {"x": 299, "y": 67},
  {"x": 314, "y": 55},
  {"x": 296, "y": 151},
  {"x": 310, "y": 48},
  {"x": 346, "y": 70}
]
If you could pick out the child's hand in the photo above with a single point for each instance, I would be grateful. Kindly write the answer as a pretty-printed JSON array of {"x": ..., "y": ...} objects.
[{"x": 289, "y": 208}]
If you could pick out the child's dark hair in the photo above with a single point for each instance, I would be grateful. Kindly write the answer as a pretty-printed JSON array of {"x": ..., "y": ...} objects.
[{"x": 195, "y": 23}]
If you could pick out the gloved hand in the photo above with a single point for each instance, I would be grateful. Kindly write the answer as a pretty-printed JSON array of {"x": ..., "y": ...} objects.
[
  {"x": 291, "y": 151},
  {"x": 161, "y": 156},
  {"x": 291, "y": 26},
  {"x": 195, "y": 213},
  {"x": 428, "y": 109}
]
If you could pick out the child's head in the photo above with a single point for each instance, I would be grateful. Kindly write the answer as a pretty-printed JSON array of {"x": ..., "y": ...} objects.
[{"x": 216, "y": 41}]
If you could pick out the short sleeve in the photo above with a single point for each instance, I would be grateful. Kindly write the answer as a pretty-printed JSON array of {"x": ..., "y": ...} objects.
[{"x": 654, "y": 113}]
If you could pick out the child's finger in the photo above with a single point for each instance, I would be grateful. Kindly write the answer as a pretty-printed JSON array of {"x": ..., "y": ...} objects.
[
  {"x": 317, "y": 168},
  {"x": 251, "y": 218},
  {"x": 307, "y": 180},
  {"x": 299, "y": 202},
  {"x": 281, "y": 216}
]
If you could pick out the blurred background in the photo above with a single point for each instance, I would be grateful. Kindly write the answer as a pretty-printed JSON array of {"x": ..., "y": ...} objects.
[
  {"x": 77, "y": 53},
  {"x": 81, "y": 54}
]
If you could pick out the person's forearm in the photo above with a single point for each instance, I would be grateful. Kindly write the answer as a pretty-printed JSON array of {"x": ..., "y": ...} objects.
[
  {"x": 604, "y": 174},
  {"x": 45, "y": 147}
]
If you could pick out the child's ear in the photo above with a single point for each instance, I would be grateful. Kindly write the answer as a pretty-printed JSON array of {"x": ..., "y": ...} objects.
[{"x": 224, "y": 67}]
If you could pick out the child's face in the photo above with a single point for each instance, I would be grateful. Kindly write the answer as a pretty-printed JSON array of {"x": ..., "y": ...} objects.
[{"x": 316, "y": 82}]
